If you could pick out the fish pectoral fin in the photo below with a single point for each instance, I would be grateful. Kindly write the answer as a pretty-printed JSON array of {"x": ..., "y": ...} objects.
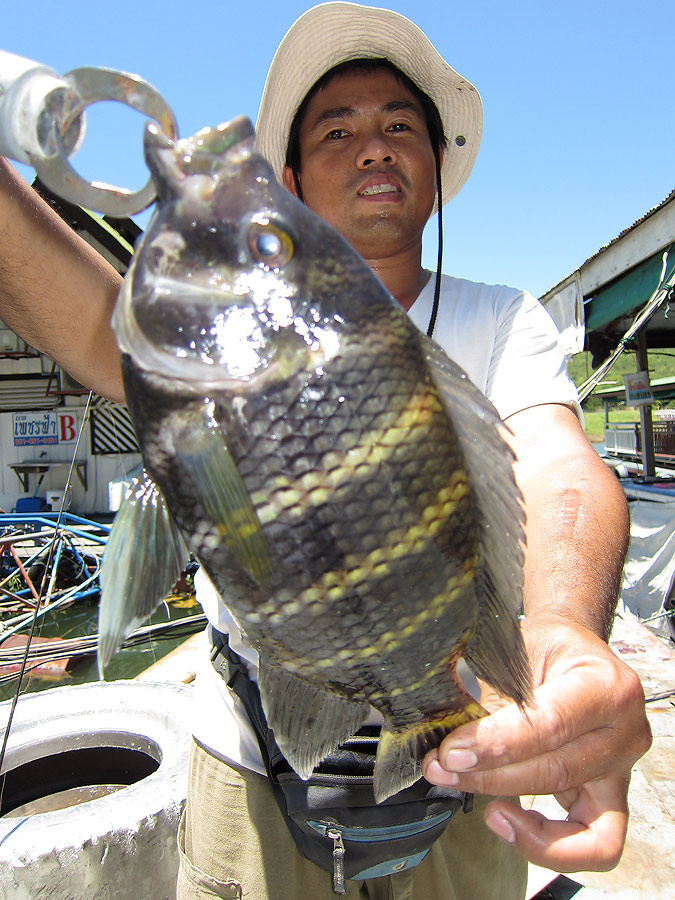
[
  {"x": 224, "y": 497},
  {"x": 400, "y": 751},
  {"x": 308, "y": 721},
  {"x": 144, "y": 556}
]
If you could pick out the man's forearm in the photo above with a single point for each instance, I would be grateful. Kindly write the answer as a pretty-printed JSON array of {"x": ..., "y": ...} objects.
[
  {"x": 587, "y": 726},
  {"x": 579, "y": 537},
  {"x": 56, "y": 291},
  {"x": 577, "y": 529}
]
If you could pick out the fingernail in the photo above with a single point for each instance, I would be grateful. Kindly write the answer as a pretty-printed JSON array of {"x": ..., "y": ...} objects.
[
  {"x": 435, "y": 773},
  {"x": 501, "y": 826},
  {"x": 460, "y": 760}
]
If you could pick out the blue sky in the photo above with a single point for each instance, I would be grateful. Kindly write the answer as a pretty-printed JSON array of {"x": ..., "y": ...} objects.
[{"x": 579, "y": 136}]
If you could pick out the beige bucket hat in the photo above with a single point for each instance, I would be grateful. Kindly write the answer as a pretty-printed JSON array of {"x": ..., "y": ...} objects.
[{"x": 332, "y": 33}]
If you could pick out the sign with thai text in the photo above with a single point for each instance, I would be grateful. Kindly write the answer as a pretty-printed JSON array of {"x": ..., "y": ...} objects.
[
  {"x": 33, "y": 429},
  {"x": 638, "y": 389}
]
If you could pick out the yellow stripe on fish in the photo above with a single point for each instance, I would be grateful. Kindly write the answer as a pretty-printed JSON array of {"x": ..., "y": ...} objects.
[
  {"x": 420, "y": 731},
  {"x": 396, "y": 544},
  {"x": 338, "y": 468}
]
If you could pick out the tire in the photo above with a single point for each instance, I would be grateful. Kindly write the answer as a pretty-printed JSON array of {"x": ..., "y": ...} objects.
[{"x": 131, "y": 733}]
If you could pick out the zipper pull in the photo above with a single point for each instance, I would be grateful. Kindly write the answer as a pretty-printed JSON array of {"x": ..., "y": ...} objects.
[{"x": 339, "y": 886}]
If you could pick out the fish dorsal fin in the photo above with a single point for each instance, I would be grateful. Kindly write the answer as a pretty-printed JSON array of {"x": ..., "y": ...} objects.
[
  {"x": 144, "y": 556},
  {"x": 308, "y": 721},
  {"x": 496, "y": 652},
  {"x": 204, "y": 456}
]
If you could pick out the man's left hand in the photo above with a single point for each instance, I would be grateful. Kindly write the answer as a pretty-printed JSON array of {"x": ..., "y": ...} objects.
[{"x": 579, "y": 742}]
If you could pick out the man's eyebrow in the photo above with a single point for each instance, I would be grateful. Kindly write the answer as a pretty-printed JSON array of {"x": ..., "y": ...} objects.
[
  {"x": 402, "y": 106},
  {"x": 335, "y": 112},
  {"x": 344, "y": 112}
]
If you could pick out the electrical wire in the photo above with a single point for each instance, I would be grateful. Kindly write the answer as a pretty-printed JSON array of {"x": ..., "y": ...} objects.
[
  {"x": 69, "y": 648},
  {"x": 662, "y": 293}
]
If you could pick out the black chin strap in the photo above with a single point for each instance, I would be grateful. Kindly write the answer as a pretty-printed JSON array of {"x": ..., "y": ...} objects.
[
  {"x": 439, "y": 258},
  {"x": 296, "y": 179}
]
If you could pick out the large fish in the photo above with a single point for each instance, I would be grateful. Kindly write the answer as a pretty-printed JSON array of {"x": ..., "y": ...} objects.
[{"x": 341, "y": 481}]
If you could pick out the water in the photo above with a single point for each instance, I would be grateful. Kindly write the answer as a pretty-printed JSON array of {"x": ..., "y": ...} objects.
[
  {"x": 80, "y": 620},
  {"x": 72, "y": 556}
]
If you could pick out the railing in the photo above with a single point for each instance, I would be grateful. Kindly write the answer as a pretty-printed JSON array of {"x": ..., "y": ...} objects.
[
  {"x": 625, "y": 439},
  {"x": 622, "y": 438}
]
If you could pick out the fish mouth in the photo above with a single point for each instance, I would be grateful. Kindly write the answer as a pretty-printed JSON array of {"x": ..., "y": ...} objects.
[{"x": 231, "y": 346}]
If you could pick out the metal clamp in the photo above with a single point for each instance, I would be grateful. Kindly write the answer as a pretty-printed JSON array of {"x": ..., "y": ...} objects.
[{"x": 42, "y": 124}]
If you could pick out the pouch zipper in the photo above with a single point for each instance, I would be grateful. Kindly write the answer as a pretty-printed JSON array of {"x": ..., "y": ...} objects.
[
  {"x": 339, "y": 885},
  {"x": 335, "y": 832},
  {"x": 377, "y": 834}
]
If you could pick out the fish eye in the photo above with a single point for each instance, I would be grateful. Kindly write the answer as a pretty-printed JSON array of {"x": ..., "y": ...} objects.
[{"x": 270, "y": 247}]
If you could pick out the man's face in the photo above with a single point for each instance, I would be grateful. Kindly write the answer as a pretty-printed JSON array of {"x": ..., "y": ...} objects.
[{"x": 366, "y": 161}]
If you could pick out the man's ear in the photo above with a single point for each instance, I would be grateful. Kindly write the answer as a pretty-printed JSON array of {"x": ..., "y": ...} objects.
[{"x": 289, "y": 181}]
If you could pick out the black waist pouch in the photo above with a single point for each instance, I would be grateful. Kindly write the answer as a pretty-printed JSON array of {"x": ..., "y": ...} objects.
[{"x": 332, "y": 816}]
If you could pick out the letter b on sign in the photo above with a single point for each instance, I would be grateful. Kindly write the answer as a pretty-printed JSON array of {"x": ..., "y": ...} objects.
[{"x": 67, "y": 429}]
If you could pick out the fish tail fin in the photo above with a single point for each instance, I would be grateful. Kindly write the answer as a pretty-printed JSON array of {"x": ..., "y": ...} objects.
[
  {"x": 497, "y": 654},
  {"x": 400, "y": 751}
]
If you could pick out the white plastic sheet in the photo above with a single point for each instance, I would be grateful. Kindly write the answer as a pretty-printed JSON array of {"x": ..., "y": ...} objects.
[
  {"x": 566, "y": 308},
  {"x": 650, "y": 565}
]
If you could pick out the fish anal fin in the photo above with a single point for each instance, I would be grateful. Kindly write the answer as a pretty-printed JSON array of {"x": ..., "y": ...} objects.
[
  {"x": 400, "y": 751},
  {"x": 308, "y": 721}
]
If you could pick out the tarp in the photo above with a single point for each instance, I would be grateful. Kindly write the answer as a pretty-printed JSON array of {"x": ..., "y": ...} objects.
[
  {"x": 628, "y": 293},
  {"x": 649, "y": 572},
  {"x": 566, "y": 308}
]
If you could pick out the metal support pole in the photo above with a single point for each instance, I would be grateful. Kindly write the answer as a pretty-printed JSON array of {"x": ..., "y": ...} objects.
[{"x": 646, "y": 425}]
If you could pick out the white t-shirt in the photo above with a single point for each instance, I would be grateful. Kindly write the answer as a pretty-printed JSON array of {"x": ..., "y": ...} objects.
[{"x": 509, "y": 346}]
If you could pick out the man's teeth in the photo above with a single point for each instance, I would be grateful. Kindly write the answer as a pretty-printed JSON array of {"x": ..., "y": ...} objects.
[{"x": 379, "y": 189}]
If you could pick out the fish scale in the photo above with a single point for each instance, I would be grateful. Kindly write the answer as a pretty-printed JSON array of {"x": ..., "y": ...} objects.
[{"x": 343, "y": 484}]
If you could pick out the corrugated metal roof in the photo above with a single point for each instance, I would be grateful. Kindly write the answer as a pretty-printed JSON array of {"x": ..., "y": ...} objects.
[{"x": 605, "y": 247}]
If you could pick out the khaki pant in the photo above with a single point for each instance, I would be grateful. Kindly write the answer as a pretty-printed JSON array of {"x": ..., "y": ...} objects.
[{"x": 234, "y": 844}]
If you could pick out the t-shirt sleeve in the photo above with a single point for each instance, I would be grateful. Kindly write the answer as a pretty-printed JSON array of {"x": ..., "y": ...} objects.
[{"x": 527, "y": 367}]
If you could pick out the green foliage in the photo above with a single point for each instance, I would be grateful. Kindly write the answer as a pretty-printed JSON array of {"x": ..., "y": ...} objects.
[
  {"x": 661, "y": 365},
  {"x": 594, "y": 421}
]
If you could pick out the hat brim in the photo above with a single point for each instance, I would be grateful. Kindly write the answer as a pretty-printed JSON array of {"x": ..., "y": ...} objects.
[{"x": 332, "y": 33}]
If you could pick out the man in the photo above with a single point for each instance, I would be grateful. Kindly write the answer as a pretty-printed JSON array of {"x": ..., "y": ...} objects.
[
  {"x": 366, "y": 162},
  {"x": 355, "y": 146}
]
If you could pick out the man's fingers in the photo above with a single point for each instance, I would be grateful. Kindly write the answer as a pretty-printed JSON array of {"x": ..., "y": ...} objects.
[
  {"x": 509, "y": 734},
  {"x": 561, "y": 846},
  {"x": 547, "y": 773},
  {"x": 581, "y": 728},
  {"x": 590, "y": 839}
]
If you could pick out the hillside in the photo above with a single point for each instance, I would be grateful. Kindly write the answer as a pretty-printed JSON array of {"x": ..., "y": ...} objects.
[{"x": 661, "y": 365}]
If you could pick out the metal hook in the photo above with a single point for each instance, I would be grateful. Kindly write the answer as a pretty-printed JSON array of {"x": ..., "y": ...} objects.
[
  {"x": 42, "y": 125},
  {"x": 92, "y": 85}
]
